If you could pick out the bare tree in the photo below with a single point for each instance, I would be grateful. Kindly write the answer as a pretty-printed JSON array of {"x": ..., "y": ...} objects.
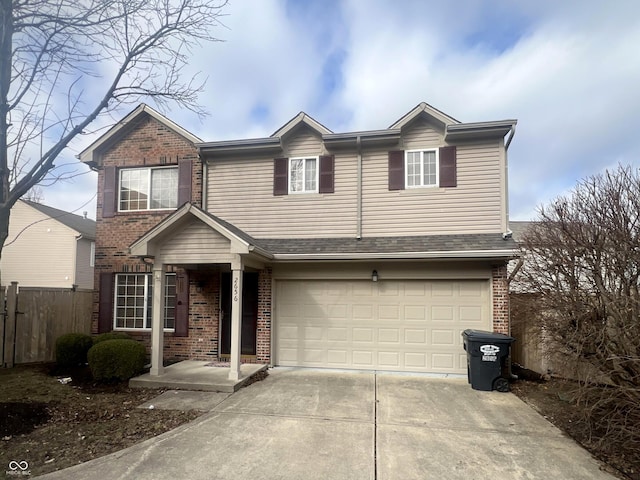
[
  {"x": 582, "y": 274},
  {"x": 63, "y": 63}
]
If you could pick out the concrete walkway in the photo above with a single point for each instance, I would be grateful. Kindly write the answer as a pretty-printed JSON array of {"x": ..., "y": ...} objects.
[{"x": 327, "y": 425}]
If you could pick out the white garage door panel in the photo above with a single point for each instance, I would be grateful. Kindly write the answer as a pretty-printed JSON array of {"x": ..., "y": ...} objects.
[{"x": 388, "y": 325}]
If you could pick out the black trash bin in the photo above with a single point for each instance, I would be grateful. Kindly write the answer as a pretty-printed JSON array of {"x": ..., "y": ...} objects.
[{"x": 487, "y": 354}]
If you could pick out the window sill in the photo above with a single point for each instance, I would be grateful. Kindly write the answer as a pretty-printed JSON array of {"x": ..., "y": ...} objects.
[
  {"x": 141, "y": 330},
  {"x": 422, "y": 190},
  {"x": 293, "y": 196}
]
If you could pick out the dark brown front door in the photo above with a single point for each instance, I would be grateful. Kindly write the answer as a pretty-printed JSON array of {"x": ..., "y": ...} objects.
[{"x": 249, "y": 313}]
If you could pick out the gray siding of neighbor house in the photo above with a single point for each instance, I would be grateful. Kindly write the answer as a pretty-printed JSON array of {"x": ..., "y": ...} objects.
[{"x": 84, "y": 270}]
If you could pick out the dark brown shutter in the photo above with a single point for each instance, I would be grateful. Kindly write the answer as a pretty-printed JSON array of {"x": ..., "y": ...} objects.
[
  {"x": 327, "y": 163},
  {"x": 280, "y": 176},
  {"x": 182, "y": 305},
  {"x": 396, "y": 170},
  {"x": 105, "y": 303},
  {"x": 109, "y": 192},
  {"x": 184, "y": 181},
  {"x": 448, "y": 173}
]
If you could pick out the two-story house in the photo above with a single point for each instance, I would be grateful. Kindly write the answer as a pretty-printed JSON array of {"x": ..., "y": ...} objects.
[
  {"x": 359, "y": 250},
  {"x": 48, "y": 247}
]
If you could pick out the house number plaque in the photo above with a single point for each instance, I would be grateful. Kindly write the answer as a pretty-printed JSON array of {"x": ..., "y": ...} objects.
[{"x": 235, "y": 290}]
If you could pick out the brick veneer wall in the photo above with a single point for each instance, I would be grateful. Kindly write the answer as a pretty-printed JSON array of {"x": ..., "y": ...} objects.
[
  {"x": 500, "y": 294},
  {"x": 147, "y": 143},
  {"x": 263, "y": 347}
]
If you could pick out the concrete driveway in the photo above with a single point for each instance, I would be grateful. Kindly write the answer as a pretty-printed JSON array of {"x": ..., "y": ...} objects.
[{"x": 327, "y": 425}]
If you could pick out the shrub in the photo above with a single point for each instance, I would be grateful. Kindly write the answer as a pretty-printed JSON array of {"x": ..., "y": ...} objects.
[
  {"x": 116, "y": 359},
  {"x": 71, "y": 349},
  {"x": 111, "y": 336}
]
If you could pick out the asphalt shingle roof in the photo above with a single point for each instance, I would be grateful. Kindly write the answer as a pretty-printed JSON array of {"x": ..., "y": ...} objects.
[
  {"x": 85, "y": 226},
  {"x": 428, "y": 243}
]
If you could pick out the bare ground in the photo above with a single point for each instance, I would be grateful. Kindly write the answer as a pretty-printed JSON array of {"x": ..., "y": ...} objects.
[
  {"x": 554, "y": 399},
  {"x": 51, "y": 425}
]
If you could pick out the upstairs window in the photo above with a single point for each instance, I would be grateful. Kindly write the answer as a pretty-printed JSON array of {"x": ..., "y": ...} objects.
[
  {"x": 148, "y": 189},
  {"x": 421, "y": 168},
  {"x": 303, "y": 175}
]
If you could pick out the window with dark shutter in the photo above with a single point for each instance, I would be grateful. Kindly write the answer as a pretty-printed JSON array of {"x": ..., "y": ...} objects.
[
  {"x": 182, "y": 305},
  {"x": 327, "y": 165},
  {"x": 448, "y": 170},
  {"x": 185, "y": 175},
  {"x": 280, "y": 176},
  {"x": 109, "y": 192},
  {"x": 105, "y": 303},
  {"x": 396, "y": 170}
]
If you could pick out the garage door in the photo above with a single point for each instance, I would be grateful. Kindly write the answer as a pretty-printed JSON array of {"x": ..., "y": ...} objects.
[{"x": 386, "y": 325}]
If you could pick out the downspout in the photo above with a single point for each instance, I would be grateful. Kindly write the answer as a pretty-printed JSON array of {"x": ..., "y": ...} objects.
[
  {"x": 359, "y": 188},
  {"x": 203, "y": 187}
]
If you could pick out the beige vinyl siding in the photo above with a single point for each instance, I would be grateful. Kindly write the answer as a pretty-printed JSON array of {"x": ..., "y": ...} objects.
[
  {"x": 474, "y": 206},
  {"x": 252, "y": 207},
  {"x": 44, "y": 253},
  {"x": 195, "y": 243},
  {"x": 84, "y": 270}
]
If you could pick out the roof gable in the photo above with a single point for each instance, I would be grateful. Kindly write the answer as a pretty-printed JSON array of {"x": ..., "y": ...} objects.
[
  {"x": 240, "y": 242},
  {"x": 424, "y": 109},
  {"x": 301, "y": 118},
  {"x": 120, "y": 129}
]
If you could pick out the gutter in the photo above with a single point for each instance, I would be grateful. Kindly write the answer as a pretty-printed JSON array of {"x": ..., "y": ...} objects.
[{"x": 440, "y": 255}]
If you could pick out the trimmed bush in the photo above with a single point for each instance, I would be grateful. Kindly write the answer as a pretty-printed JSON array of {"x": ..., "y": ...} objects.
[
  {"x": 71, "y": 349},
  {"x": 116, "y": 360},
  {"x": 111, "y": 336}
]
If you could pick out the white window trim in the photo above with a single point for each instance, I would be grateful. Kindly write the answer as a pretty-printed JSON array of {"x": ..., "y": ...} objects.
[
  {"x": 406, "y": 168},
  {"x": 148, "y": 279},
  {"x": 304, "y": 180},
  {"x": 149, "y": 185}
]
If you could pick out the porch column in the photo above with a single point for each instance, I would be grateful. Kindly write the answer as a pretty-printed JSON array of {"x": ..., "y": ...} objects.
[
  {"x": 236, "y": 319},
  {"x": 157, "y": 321}
]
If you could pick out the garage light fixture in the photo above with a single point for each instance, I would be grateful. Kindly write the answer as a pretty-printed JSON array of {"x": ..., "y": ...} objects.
[{"x": 374, "y": 276}]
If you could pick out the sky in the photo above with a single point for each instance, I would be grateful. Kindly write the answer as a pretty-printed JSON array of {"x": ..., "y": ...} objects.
[{"x": 568, "y": 71}]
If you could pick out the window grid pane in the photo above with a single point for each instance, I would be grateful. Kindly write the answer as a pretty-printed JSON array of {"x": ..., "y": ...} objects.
[
  {"x": 170, "y": 301},
  {"x": 296, "y": 176},
  {"x": 413, "y": 169},
  {"x": 134, "y": 301},
  {"x": 164, "y": 188},
  {"x": 429, "y": 168},
  {"x": 130, "y": 301},
  {"x": 134, "y": 189},
  {"x": 310, "y": 175}
]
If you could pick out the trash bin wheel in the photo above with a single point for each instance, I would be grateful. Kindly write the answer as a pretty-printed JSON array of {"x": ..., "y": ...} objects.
[{"x": 501, "y": 384}]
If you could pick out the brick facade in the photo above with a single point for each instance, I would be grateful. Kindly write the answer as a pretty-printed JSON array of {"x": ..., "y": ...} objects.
[
  {"x": 263, "y": 347},
  {"x": 148, "y": 143},
  {"x": 500, "y": 298}
]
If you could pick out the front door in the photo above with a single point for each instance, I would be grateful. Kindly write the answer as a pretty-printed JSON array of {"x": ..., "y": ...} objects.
[{"x": 249, "y": 313}]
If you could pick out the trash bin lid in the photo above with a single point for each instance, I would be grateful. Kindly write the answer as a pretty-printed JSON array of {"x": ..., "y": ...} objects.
[{"x": 484, "y": 336}]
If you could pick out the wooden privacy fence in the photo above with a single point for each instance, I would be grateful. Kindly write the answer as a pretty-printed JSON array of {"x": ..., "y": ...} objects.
[{"x": 32, "y": 318}]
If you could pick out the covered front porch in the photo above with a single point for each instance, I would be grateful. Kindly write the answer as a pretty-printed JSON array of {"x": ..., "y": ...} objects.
[
  {"x": 198, "y": 375},
  {"x": 195, "y": 241}
]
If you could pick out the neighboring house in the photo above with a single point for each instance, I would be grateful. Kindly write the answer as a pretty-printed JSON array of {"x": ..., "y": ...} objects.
[
  {"x": 362, "y": 250},
  {"x": 48, "y": 247}
]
